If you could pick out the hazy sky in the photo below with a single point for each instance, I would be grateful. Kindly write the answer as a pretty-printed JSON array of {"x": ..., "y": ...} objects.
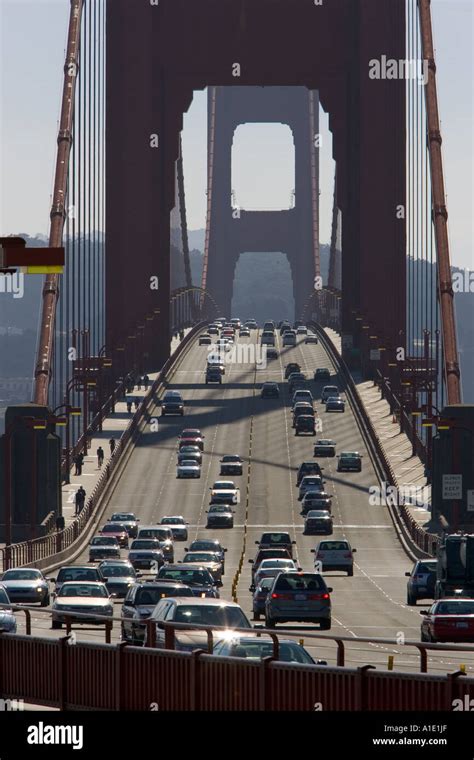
[{"x": 32, "y": 47}]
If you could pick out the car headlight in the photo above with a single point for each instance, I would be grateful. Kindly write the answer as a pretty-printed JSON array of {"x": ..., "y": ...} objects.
[{"x": 40, "y": 589}]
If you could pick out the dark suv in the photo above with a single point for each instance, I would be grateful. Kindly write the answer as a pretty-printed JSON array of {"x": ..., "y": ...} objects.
[
  {"x": 292, "y": 367},
  {"x": 308, "y": 468},
  {"x": 172, "y": 403},
  {"x": 139, "y": 603},
  {"x": 213, "y": 375},
  {"x": 270, "y": 390},
  {"x": 269, "y": 553},
  {"x": 305, "y": 423},
  {"x": 421, "y": 581},
  {"x": 276, "y": 540}
]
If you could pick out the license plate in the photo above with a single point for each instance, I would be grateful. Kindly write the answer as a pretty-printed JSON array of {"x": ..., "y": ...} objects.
[
  {"x": 461, "y": 625},
  {"x": 300, "y": 597}
]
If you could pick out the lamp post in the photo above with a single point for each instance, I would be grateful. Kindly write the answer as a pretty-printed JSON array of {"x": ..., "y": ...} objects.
[{"x": 70, "y": 411}]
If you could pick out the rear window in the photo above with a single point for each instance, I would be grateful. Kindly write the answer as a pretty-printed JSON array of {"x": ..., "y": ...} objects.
[
  {"x": 303, "y": 582},
  {"x": 333, "y": 546},
  {"x": 77, "y": 574},
  {"x": 455, "y": 608},
  {"x": 275, "y": 538},
  {"x": 153, "y": 595},
  {"x": 427, "y": 567}
]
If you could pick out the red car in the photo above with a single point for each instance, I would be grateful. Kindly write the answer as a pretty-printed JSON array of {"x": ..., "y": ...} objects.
[
  {"x": 191, "y": 437},
  {"x": 117, "y": 531},
  {"x": 450, "y": 619}
]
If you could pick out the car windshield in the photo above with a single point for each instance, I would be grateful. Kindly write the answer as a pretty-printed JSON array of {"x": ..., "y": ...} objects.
[
  {"x": 349, "y": 455},
  {"x": 4, "y": 597},
  {"x": 188, "y": 463},
  {"x": 455, "y": 608},
  {"x": 123, "y": 516},
  {"x": 152, "y": 594},
  {"x": 323, "y": 442},
  {"x": 258, "y": 649},
  {"x": 265, "y": 584},
  {"x": 104, "y": 541},
  {"x": 311, "y": 480},
  {"x": 212, "y": 615},
  {"x": 199, "y": 557},
  {"x": 145, "y": 543},
  {"x": 21, "y": 575},
  {"x": 197, "y": 546},
  {"x": 77, "y": 574},
  {"x": 172, "y": 521},
  {"x": 223, "y": 485},
  {"x": 275, "y": 538},
  {"x": 82, "y": 589},
  {"x": 220, "y": 508},
  {"x": 300, "y": 582},
  {"x": 318, "y": 513},
  {"x": 161, "y": 534},
  {"x": 334, "y": 546},
  {"x": 187, "y": 575},
  {"x": 231, "y": 458},
  {"x": 113, "y": 528},
  {"x": 277, "y": 563},
  {"x": 118, "y": 571},
  {"x": 190, "y": 450}
]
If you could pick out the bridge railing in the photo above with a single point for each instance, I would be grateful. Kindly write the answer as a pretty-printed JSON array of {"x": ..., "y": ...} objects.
[{"x": 27, "y": 552}]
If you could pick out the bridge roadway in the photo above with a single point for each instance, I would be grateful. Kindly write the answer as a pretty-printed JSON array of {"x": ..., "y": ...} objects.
[{"x": 235, "y": 419}]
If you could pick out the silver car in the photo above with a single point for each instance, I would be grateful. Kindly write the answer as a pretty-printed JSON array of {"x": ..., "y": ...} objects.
[
  {"x": 256, "y": 647},
  {"x": 310, "y": 483},
  {"x": 334, "y": 555},
  {"x": 328, "y": 391},
  {"x": 177, "y": 525},
  {"x": 270, "y": 568},
  {"x": 299, "y": 597},
  {"x": 26, "y": 585},
  {"x": 188, "y": 469}
]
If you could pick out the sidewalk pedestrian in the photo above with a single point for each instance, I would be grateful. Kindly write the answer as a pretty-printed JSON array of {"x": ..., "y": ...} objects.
[
  {"x": 100, "y": 457},
  {"x": 146, "y": 382},
  {"x": 139, "y": 383},
  {"x": 129, "y": 407},
  {"x": 79, "y": 461},
  {"x": 136, "y": 404},
  {"x": 80, "y": 499},
  {"x": 112, "y": 446}
]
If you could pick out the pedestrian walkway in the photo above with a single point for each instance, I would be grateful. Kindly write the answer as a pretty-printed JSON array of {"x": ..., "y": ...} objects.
[
  {"x": 408, "y": 469},
  {"x": 112, "y": 429}
]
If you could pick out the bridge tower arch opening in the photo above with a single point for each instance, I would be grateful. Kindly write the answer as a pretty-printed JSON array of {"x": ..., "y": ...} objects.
[{"x": 262, "y": 287}]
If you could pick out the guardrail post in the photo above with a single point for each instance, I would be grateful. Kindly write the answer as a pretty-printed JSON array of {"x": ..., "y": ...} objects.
[
  {"x": 150, "y": 633},
  {"x": 62, "y": 672},
  {"x": 195, "y": 679},
  {"x": 119, "y": 672},
  {"x": 362, "y": 687},
  {"x": 341, "y": 652},
  {"x": 108, "y": 631},
  {"x": 169, "y": 636},
  {"x": 452, "y": 688},
  {"x": 264, "y": 690}
]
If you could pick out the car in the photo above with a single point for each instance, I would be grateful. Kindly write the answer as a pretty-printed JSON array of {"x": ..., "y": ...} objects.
[
  {"x": 322, "y": 373},
  {"x": 302, "y": 407},
  {"x": 177, "y": 525},
  {"x": 297, "y": 323},
  {"x": 208, "y": 545},
  {"x": 236, "y": 322},
  {"x": 318, "y": 521},
  {"x": 118, "y": 530},
  {"x": 183, "y": 442},
  {"x": 335, "y": 404},
  {"x": 329, "y": 391},
  {"x": 272, "y": 352},
  {"x": 189, "y": 452},
  {"x": 283, "y": 327},
  {"x": 27, "y": 585},
  {"x": 213, "y": 375},
  {"x": 198, "y": 578},
  {"x": 273, "y": 552},
  {"x": 324, "y": 447},
  {"x": 231, "y": 464},
  {"x": 308, "y": 468},
  {"x": 296, "y": 380},
  {"x": 7, "y": 618},
  {"x": 305, "y": 423},
  {"x": 244, "y": 332},
  {"x": 334, "y": 555},
  {"x": 104, "y": 547},
  {"x": 223, "y": 345},
  {"x": 90, "y": 599},
  {"x": 210, "y": 560},
  {"x": 349, "y": 460},
  {"x": 251, "y": 324},
  {"x": 310, "y": 482},
  {"x": 163, "y": 535},
  {"x": 448, "y": 619},
  {"x": 269, "y": 325},
  {"x": 188, "y": 468},
  {"x": 213, "y": 330},
  {"x": 289, "y": 338},
  {"x": 222, "y": 490},
  {"x": 310, "y": 338},
  {"x": 270, "y": 568},
  {"x": 139, "y": 603},
  {"x": 259, "y": 596},
  {"x": 276, "y": 540},
  {"x": 299, "y": 597},
  {"x": 300, "y": 396},
  {"x": 421, "y": 581},
  {"x": 194, "y": 435},
  {"x": 78, "y": 573},
  {"x": 302, "y": 330},
  {"x": 316, "y": 500},
  {"x": 220, "y": 516},
  {"x": 290, "y": 368},
  {"x": 118, "y": 575},
  {"x": 205, "y": 340},
  {"x": 128, "y": 520},
  {"x": 146, "y": 553},
  {"x": 172, "y": 403},
  {"x": 267, "y": 339},
  {"x": 255, "y": 647},
  {"x": 213, "y": 612},
  {"x": 270, "y": 390},
  {"x": 215, "y": 361}
]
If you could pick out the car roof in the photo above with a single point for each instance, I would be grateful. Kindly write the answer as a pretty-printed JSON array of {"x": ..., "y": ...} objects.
[{"x": 199, "y": 601}]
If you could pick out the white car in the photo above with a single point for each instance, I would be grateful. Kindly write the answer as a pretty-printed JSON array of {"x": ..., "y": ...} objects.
[
  {"x": 188, "y": 469},
  {"x": 328, "y": 391},
  {"x": 222, "y": 489},
  {"x": 177, "y": 525},
  {"x": 270, "y": 568},
  {"x": 302, "y": 330},
  {"x": 85, "y": 598}
]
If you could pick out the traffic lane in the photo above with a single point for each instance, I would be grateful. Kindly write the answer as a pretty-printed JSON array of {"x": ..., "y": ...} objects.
[{"x": 149, "y": 485}]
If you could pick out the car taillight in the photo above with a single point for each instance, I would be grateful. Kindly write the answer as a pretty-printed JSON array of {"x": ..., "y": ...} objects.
[
  {"x": 348, "y": 555},
  {"x": 313, "y": 597},
  {"x": 281, "y": 596}
]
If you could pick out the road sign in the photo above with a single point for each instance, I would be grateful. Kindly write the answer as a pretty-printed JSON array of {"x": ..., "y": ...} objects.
[
  {"x": 374, "y": 355},
  {"x": 470, "y": 500},
  {"x": 452, "y": 486}
]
